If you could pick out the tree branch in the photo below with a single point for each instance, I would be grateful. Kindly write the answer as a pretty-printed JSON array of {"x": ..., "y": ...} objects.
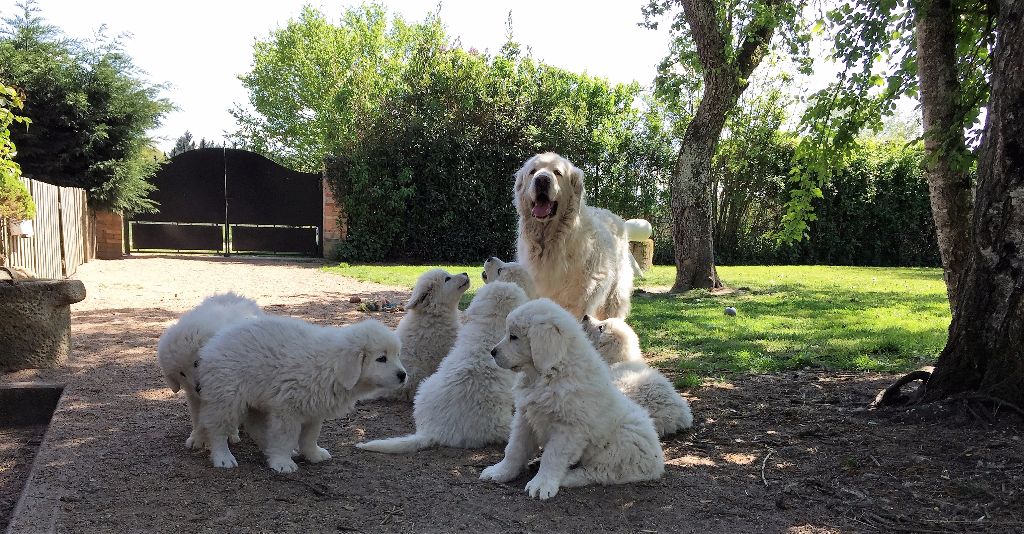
[{"x": 758, "y": 36}]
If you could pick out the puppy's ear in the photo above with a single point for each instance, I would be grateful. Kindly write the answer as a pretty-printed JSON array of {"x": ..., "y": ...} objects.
[
  {"x": 547, "y": 346},
  {"x": 350, "y": 368},
  {"x": 419, "y": 296}
]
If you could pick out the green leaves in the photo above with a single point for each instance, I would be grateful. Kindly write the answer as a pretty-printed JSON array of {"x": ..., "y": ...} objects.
[
  {"x": 90, "y": 109},
  {"x": 15, "y": 201}
]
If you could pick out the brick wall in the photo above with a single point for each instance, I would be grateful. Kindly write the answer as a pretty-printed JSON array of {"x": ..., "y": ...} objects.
[
  {"x": 334, "y": 230},
  {"x": 109, "y": 231}
]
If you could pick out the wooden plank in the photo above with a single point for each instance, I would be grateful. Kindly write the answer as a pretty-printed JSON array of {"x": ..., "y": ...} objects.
[{"x": 57, "y": 247}]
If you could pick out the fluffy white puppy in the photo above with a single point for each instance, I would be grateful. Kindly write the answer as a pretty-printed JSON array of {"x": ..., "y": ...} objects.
[
  {"x": 467, "y": 403},
  {"x": 577, "y": 254},
  {"x": 566, "y": 405},
  {"x": 430, "y": 325},
  {"x": 619, "y": 345},
  {"x": 178, "y": 349},
  {"x": 293, "y": 375},
  {"x": 614, "y": 340},
  {"x": 496, "y": 270}
]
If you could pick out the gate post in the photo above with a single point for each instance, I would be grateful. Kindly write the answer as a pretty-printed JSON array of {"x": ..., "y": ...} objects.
[
  {"x": 109, "y": 235},
  {"x": 334, "y": 229}
]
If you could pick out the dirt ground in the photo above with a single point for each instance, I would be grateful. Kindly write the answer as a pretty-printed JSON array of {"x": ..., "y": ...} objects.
[{"x": 793, "y": 452}]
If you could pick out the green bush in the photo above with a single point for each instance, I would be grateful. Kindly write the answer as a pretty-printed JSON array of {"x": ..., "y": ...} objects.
[{"x": 15, "y": 200}]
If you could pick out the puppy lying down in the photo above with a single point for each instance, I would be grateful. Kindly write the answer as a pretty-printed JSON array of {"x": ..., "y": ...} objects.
[
  {"x": 619, "y": 346},
  {"x": 567, "y": 406},
  {"x": 467, "y": 403},
  {"x": 293, "y": 375}
]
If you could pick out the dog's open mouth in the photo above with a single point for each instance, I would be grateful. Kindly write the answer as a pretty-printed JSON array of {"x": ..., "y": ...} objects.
[{"x": 544, "y": 207}]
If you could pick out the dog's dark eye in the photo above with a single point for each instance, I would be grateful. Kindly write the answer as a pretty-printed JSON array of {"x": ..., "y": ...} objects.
[
  {"x": 558, "y": 172},
  {"x": 512, "y": 337},
  {"x": 600, "y": 328},
  {"x": 447, "y": 278},
  {"x": 383, "y": 359},
  {"x": 499, "y": 270}
]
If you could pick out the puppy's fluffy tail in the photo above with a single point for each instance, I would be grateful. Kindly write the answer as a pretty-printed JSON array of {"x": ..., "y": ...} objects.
[{"x": 401, "y": 445}]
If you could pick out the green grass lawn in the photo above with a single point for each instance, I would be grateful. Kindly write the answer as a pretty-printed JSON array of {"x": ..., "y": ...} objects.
[{"x": 789, "y": 317}]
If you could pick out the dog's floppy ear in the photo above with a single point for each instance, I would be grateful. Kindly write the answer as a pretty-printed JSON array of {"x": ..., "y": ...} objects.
[
  {"x": 547, "y": 346},
  {"x": 576, "y": 181},
  {"x": 350, "y": 368},
  {"x": 420, "y": 294}
]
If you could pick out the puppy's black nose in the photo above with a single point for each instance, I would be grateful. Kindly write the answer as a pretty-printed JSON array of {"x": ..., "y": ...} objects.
[
  {"x": 484, "y": 275},
  {"x": 464, "y": 274},
  {"x": 492, "y": 258},
  {"x": 586, "y": 318},
  {"x": 494, "y": 352},
  {"x": 401, "y": 376}
]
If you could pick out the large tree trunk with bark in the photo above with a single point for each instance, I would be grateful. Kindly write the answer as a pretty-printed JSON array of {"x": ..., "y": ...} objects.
[
  {"x": 725, "y": 78},
  {"x": 985, "y": 350},
  {"x": 949, "y": 184}
]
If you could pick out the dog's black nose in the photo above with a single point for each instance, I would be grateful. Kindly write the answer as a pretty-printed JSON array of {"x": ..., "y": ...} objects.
[
  {"x": 586, "y": 318},
  {"x": 401, "y": 376},
  {"x": 464, "y": 274},
  {"x": 484, "y": 275},
  {"x": 494, "y": 352},
  {"x": 542, "y": 183},
  {"x": 492, "y": 258}
]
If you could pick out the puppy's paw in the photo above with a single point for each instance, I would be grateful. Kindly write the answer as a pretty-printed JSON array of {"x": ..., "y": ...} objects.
[
  {"x": 282, "y": 464},
  {"x": 317, "y": 455},
  {"x": 224, "y": 460},
  {"x": 542, "y": 487},
  {"x": 499, "y": 472},
  {"x": 196, "y": 440}
]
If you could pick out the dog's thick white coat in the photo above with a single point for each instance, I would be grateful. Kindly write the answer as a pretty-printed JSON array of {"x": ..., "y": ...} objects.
[
  {"x": 290, "y": 376},
  {"x": 178, "y": 348},
  {"x": 430, "y": 326},
  {"x": 577, "y": 254},
  {"x": 468, "y": 402},
  {"x": 496, "y": 270},
  {"x": 619, "y": 346},
  {"x": 567, "y": 405}
]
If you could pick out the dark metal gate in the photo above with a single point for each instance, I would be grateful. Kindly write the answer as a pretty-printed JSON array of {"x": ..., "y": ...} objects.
[{"x": 231, "y": 201}]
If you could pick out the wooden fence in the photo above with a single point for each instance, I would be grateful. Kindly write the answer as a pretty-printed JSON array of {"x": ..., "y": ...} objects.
[{"x": 61, "y": 229}]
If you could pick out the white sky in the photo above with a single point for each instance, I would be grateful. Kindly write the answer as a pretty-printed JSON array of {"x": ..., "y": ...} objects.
[{"x": 201, "y": 47}]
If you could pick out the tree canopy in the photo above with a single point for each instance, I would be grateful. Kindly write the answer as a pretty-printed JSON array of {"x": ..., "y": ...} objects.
[{"x": 90, "y": 107}]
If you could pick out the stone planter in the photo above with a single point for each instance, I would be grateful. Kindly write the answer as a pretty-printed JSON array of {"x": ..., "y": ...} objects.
[{"x": 35, "y": 321}]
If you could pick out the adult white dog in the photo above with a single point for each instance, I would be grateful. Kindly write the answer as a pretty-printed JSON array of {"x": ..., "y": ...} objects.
[
  {"x": 467, "y": 403},
  {"x": 619, "y": 346},
  {"x": 294, "y": 375},
  {"x": 496, "y": 270},
  {"x": 178, "y": 349},
  {"x": 430, "y": 326},
  {"x": 567, "y": 405},
  {"x": 578, "y": 254}
]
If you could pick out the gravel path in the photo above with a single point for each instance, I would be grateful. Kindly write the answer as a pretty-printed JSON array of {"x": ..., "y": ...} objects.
[{"x": 114, "y": 459}]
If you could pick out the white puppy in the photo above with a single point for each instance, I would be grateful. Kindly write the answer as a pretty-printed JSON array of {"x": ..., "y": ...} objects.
[
  {"x": 614, "y": 340},
  {"x": 619, "y": 345},
  {"x": 567, "y": 405},
  {"x": 178, "y": 349},
  {"x": 294, "y": 375},
  {"x": 496, "y": 270},
  {"x": 577, "y": 254},
  {"x": 467, "y": 403},
  {"x": 430, "y": 325}
]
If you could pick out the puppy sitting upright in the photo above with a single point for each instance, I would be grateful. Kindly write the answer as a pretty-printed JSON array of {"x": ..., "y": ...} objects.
[
  {"x": 468, "y": 401},
  {"x": 295, "y": 375},
  {"x": 567, "y": 405},
  {"x": 496, "y": 270},
  {"x": 430, "y": 325}
]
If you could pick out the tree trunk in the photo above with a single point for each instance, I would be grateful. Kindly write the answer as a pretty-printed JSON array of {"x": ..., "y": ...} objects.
[
  {"x": 725, "y": 77},
  {"x": 692, "y": 231},
  {"x": 985, "y": 352},
  {"x": 949, "y": 183}
]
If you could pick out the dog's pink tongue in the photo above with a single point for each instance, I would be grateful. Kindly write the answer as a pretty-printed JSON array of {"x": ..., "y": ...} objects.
[{"x": 542, "y": 209}]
